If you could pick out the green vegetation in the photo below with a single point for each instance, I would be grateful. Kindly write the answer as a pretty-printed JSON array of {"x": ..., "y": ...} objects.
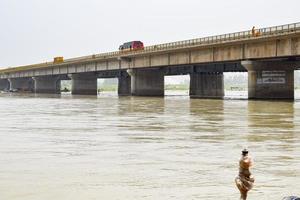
[
  {"x": 65, "y": 86},
  {"x": 177, "y": 87},
  {"x": 107, "y": 88},
  {"x": 236, "y": 87},
  {"x": 114, "y": 87}
]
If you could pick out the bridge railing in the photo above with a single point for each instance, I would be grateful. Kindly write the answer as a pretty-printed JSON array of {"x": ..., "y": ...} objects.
[{"x": 263, "y": 32}]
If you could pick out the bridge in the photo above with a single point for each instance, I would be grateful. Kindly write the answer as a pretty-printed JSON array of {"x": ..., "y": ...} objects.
[{"x": 269, "y": 55}]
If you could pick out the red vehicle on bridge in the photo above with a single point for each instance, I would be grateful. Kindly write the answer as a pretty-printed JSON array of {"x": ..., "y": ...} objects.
[{"x": 134, "y": 45}]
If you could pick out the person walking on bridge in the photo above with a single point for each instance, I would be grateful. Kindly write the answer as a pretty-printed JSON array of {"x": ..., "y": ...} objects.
[
  {"x": 244, "y": 181},
  {"x": 253, "y": 31}
]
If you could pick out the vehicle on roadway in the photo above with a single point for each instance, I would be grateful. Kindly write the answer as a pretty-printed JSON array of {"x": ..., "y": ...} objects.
[{"x": 131, "y": 46}]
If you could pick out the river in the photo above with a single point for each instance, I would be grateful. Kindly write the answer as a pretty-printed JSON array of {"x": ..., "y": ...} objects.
[{"x": 124, "y": 148}]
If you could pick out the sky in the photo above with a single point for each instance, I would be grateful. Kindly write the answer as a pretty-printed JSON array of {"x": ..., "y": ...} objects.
[{"x": 35, "y": 31}]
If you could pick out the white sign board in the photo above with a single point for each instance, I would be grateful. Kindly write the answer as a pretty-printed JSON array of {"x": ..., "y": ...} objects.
[{"x": 272, "y": 77}]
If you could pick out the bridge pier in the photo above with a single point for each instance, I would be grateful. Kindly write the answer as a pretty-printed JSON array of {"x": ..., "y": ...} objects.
[
  {"x": 84, "y": 84},
  {"x": 207, "y": 85},
  {"x": 21, "y": 84},
  {"x": 4, "y": 84},
  {"x": 147, "y": 82},
  {"x": 270, "y": 80},
  {"x": 124, "y": 84},
  {"x": 47, "y": 84}
]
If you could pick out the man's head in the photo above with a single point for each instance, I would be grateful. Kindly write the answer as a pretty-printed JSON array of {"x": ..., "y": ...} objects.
[
  {"x": 291, "y": 198},
  {"x": 245, "y": 152}
]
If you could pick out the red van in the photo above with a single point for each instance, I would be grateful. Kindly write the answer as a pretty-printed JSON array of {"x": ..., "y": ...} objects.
[{"x": 134, "y": 45}]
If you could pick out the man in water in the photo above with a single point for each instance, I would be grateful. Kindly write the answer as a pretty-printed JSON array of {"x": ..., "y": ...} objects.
[
  {"x": 291, "y": 198},
  {"x": 244, "y": 181}
]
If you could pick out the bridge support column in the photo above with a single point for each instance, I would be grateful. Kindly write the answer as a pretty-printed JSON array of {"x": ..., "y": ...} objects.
[
  {"x": 21, "y": 84},
  {"x": 207, "y": 85},
  {"x": 84, "y": 84},
  {"x": 4, "y": 84},
  {"x": 148, "y": 82},
  {"x": 47, "y": 84},
  {"x": 124, "y": 84},
  {"x": 270, "y": 80}
]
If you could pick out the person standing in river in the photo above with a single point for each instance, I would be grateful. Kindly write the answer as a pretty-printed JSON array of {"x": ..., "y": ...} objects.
[{"x": 244, "y": 181}]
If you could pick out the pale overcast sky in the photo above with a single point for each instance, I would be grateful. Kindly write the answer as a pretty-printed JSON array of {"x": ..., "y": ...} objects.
[{"x": 34, "y": 31}]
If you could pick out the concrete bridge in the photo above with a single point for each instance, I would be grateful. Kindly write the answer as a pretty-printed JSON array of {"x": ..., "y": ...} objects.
[{"x": 270, "y": 56}]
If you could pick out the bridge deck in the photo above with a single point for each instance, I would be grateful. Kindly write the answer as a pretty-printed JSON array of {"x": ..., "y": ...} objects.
[{"x": 274, "y": 31}]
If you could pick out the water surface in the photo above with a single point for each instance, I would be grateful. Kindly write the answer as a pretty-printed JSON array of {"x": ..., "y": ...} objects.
[{"x": 106, "y": 147}]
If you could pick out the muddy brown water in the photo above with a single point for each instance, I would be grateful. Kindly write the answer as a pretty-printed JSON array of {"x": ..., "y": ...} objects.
[{"x": 106, "y": 147}]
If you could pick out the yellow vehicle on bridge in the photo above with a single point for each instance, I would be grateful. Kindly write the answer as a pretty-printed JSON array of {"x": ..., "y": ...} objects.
[{"x": 58, "y": 60}]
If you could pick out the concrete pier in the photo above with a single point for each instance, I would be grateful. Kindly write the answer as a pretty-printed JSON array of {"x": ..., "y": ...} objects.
[
  {"x": 124, "y": 84},
  {"x": 270, "y": 80},
  {"x": 147, "y": 82},
  {"x": 207, "y": 85},
  {"x": 47, "y": 84},
  {"x": 21, "y": 84},
  {"x": 84, "y": 84},
  {"x": 4, "y": 84}
]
